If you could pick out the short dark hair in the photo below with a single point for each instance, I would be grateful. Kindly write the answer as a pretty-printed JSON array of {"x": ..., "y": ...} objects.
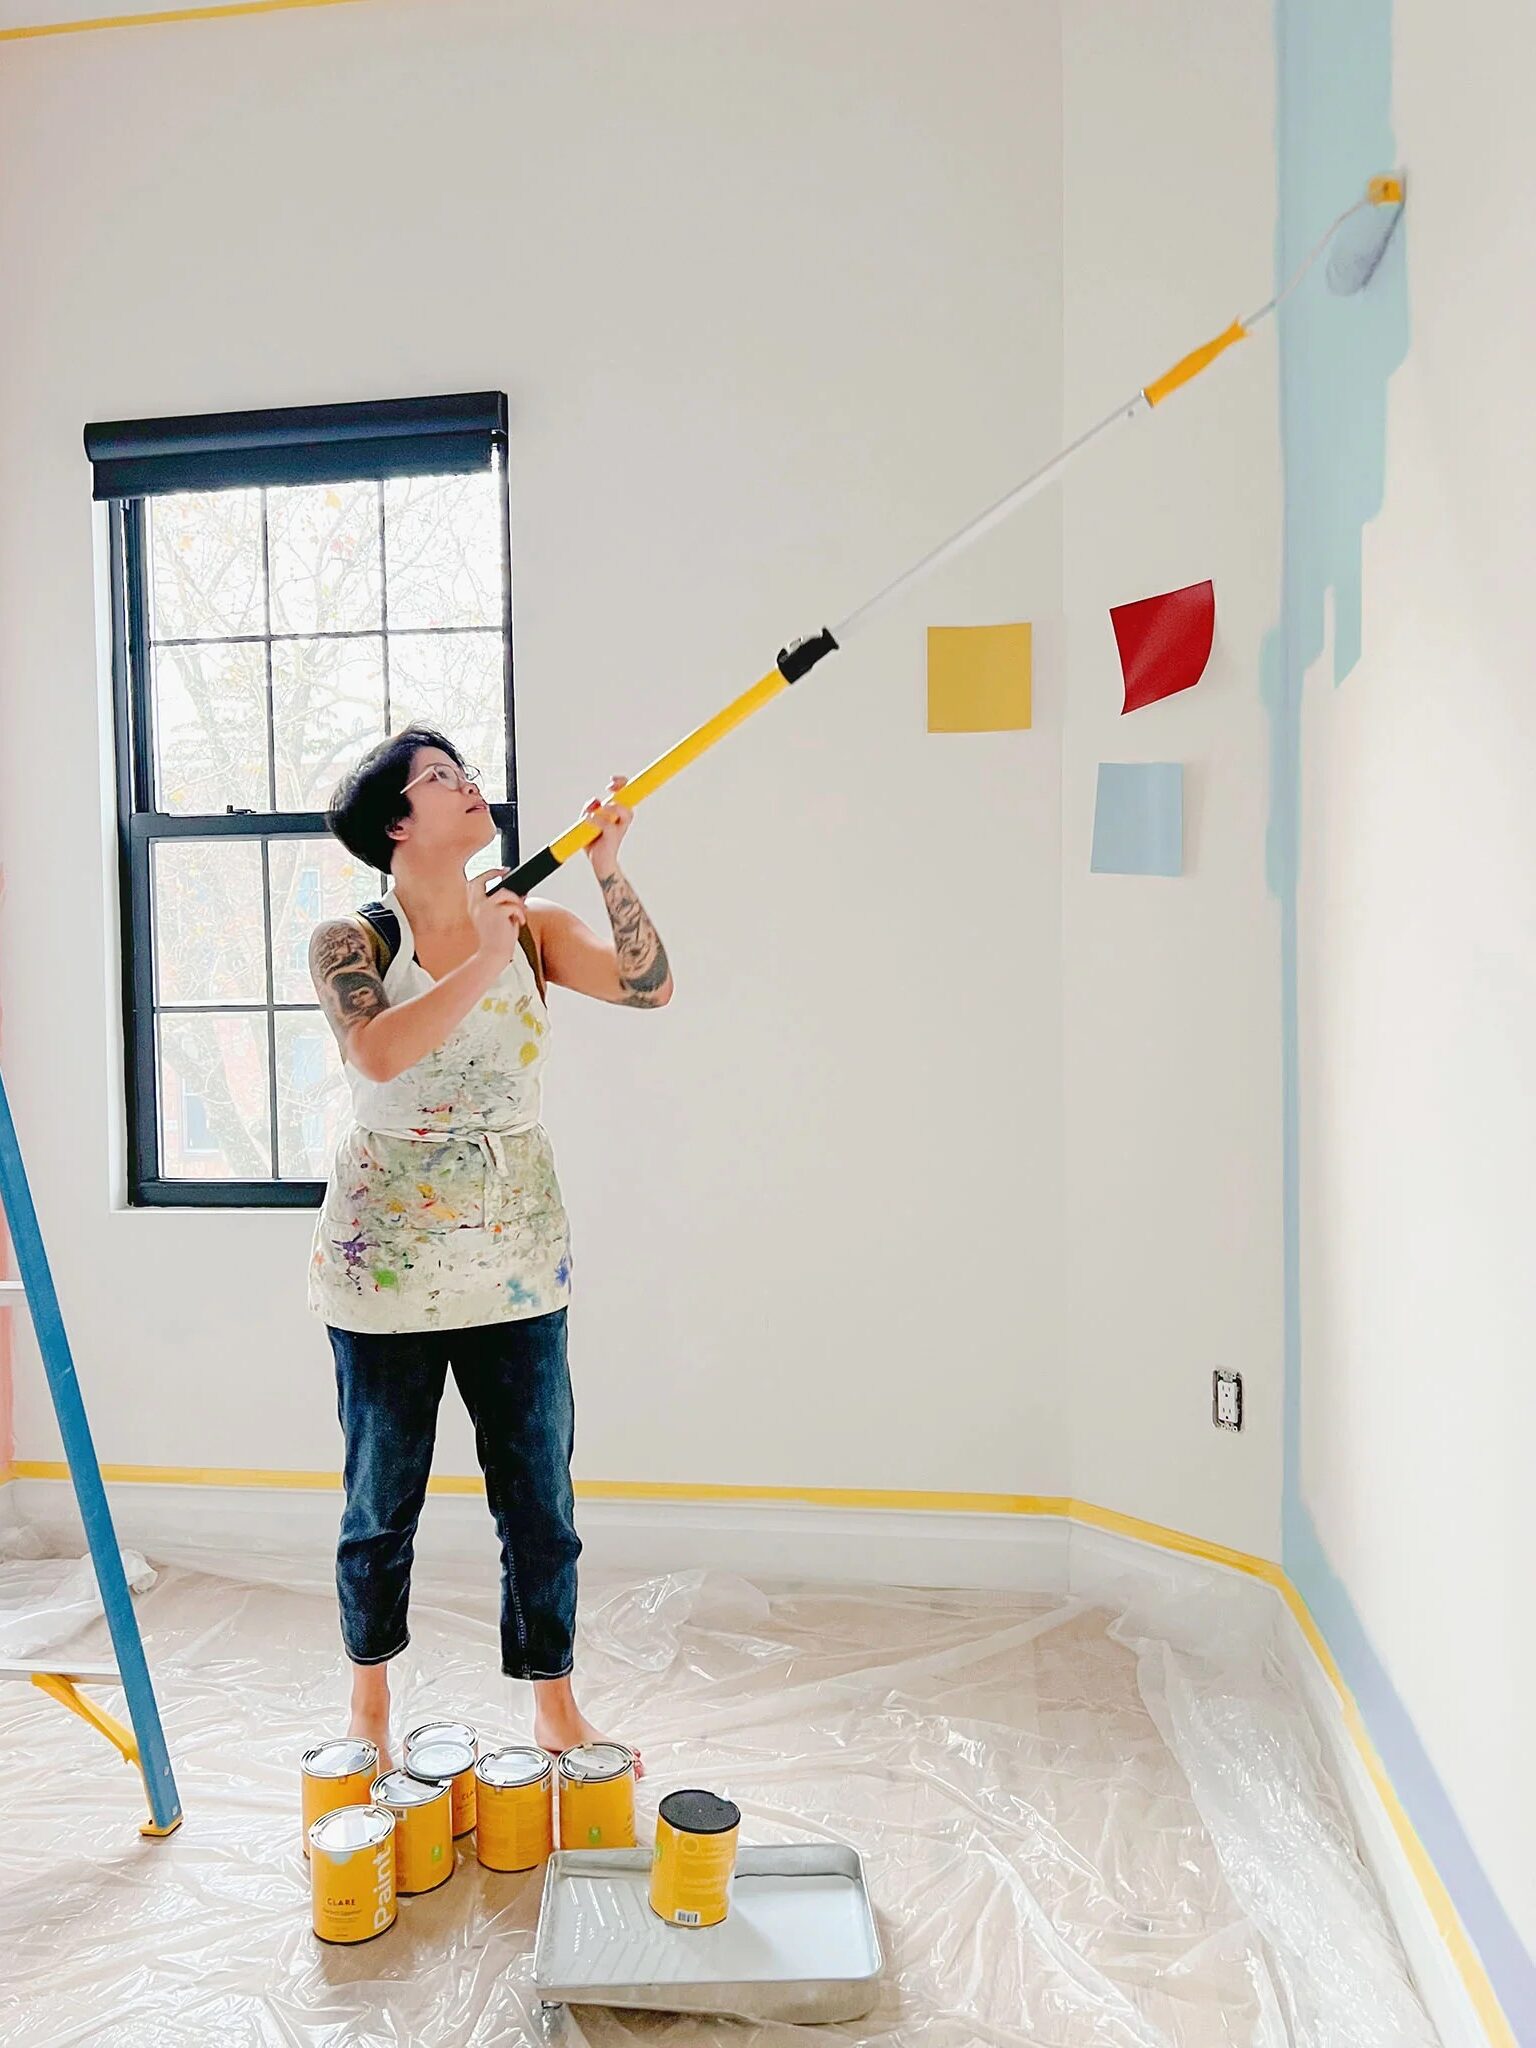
[{"x": 371, "y": 797}]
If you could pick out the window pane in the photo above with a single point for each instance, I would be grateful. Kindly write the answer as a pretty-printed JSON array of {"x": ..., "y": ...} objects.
[
  {"x": 327, "y": 708},
  {"x": 209, "y": 938},
  {"x": 443, "y": 550},
  {"x": 311, "y": 1095},
  {"x": 214, "y": 1119},
  {"x": 211, "y": 727},
  {"x": 323, "y": 540},
  {"x": 488, "y": 857},
  {"x": 289, "y": 629},
  {"x": 454, "y": 683},
  {"x": 205, "y": 565},
  {"x": 311, "y": 879}
]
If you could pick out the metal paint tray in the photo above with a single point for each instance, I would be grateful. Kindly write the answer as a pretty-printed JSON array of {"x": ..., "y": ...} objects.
[{"x": 800, "y": 1942}]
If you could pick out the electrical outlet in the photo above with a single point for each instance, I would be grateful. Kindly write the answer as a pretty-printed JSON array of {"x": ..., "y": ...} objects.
[{"x": 1227, "y": 1400}]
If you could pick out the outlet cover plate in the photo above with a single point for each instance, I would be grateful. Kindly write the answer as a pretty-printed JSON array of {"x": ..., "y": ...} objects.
[{"x": 1227, "y": 1400}]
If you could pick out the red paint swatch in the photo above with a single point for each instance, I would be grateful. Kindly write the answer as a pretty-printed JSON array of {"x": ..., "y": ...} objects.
[{"x": 1164, "y": 642}]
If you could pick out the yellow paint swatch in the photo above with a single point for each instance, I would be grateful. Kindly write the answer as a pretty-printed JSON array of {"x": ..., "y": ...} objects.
[{"x": 979, "y": 678}]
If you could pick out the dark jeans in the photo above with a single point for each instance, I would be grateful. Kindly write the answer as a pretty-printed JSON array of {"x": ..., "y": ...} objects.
[{"x": 513, "y": 1380}]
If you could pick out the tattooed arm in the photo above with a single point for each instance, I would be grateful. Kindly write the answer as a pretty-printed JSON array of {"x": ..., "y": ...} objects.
[
  {"x": 344, "y": 969},
  {"x": 630, "y": 967},
  {"x": 644, "y": 970},
  {"x": 381, "y": 1039}
]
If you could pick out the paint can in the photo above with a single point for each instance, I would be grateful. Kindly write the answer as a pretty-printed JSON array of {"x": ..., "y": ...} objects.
[
  {"x": 695, "y": 1858},
  {"x": 447, "y": 1749},
  {"x": 597, "y": 1797},
  {"x": 423, "y": 1814},
  {"x": 352, "y": 1873},
  {"x": 337, "y": 1774},
  {"x": 514, "y": 1790}
]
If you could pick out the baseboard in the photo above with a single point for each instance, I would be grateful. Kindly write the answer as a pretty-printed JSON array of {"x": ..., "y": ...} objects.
[
  {"x": 1062, "y": 1547},
  {"x": 894, "y": 1547},
  {"x": 1106, "y": 1566},
  {"x": 1441, "y": 1984}
]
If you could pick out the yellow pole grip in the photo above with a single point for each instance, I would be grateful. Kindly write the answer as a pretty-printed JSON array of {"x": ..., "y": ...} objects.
[
  {"x": 677, "y": 758},
  {"x": 1191, "y": 365}
]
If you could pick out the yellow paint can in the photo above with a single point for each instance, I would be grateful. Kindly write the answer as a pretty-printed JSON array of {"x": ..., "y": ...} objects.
[
  {"x": 695, "y": 1858},
  {"x": 514, "y": 1791},
  {"x": 337, "y": 1774},
  {"x": 447, "y": 1749},
  {"x": 597, "y": 1797},
  {"x": 352, "y": 1873},
  {"x": 423, "y": 1814}
]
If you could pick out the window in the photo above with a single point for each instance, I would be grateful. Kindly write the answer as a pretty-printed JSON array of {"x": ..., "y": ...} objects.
[{"x": 287, "y": 588}]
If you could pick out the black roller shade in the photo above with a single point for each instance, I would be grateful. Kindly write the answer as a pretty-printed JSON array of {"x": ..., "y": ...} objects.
[{"x": 297, "y": 444}]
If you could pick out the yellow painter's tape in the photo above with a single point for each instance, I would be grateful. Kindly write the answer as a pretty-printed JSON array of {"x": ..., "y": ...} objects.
[{"x": 164, "y": 15}]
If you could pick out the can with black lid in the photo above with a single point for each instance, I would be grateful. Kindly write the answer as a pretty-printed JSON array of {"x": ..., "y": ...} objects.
[{"x": 695, "y": 1858}]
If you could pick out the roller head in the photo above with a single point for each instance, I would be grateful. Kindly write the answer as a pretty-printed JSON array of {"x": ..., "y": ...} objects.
[{"x": 1362, "y": 241}]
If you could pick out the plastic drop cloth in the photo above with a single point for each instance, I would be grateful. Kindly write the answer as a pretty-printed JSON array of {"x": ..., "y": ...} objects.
[
  {"x": 1084, "y": 1820},
  {"x": 46, "y": 1601}
]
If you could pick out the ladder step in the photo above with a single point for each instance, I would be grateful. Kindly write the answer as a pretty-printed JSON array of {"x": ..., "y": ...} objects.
[
  {"x": 78, "y": 1674},
  {"x": 12, "y": 1287}
]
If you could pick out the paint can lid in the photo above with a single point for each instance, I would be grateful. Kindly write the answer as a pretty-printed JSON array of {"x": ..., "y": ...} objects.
[
  {"x": 514, "y": 1767},
  {"x": 443, "y": 1731},
  {"x": 399, "y": 1788},
  {"x": 699, "y": 1813},
  {"x": 342, "y": 1759},
  {"x": 438, "y": 1759},
  {"x": 350, "y": 1828},
  {"x": 592, "y": 1762}
]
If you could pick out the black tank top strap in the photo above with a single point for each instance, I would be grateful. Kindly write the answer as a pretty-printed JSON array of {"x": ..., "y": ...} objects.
[{"x": 382, "y": 928}]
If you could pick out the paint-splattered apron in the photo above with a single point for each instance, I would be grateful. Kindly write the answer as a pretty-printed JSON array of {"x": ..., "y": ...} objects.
[{"x": 442, "y": 1210}]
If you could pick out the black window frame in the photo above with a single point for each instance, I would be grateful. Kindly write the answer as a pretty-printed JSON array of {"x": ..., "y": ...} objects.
[{"x": 141, "y": 827}]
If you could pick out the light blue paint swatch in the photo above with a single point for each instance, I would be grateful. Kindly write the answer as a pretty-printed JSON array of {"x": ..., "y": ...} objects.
[{"x": 1138, "y": 819}]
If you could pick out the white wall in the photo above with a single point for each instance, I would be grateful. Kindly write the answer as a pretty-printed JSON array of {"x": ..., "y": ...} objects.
[
  {"x": 952, "y": 1166},
  {"x": 1171, "y": 988},
  {"x": 1418, "y": 976},
  {"x": 775, "y": 293}
]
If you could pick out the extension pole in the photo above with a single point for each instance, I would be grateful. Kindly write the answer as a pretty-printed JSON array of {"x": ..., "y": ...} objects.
[{"x": 801, "y": 656}]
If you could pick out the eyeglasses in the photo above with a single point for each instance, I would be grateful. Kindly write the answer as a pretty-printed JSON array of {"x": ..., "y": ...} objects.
[{"x": 448, "y": 776}]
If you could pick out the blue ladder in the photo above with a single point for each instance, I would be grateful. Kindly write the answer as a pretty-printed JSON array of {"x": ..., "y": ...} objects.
[{"x": 144, "y": 1746}]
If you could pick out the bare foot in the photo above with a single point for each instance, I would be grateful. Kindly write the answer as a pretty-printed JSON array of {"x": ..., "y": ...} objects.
[
  {"x": 373, "y": 1726},
  {"x": 559, "y": 1724},
  {"x": 370, "y": 1709}
]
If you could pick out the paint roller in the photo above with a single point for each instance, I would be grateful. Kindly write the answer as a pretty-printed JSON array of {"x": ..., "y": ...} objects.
[{"x": 1357, "y": 242}]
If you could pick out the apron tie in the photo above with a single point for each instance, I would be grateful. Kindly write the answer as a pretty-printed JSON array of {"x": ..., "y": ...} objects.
[{"x": 494, "y": 1153}]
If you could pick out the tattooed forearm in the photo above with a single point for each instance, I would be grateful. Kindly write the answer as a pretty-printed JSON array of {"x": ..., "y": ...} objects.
[
  {"x": 643, "y": 968},
  {"x": 345, "y": 975}
]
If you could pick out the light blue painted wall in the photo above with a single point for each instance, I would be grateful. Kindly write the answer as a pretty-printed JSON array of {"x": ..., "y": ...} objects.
[{"x": 1337, "y": 356}]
